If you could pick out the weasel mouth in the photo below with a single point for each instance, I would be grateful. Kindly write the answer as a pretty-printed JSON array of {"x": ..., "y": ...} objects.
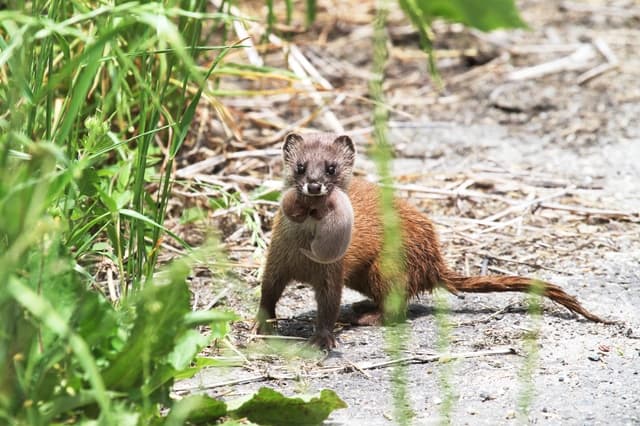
[{"x": 314, "y": 189}]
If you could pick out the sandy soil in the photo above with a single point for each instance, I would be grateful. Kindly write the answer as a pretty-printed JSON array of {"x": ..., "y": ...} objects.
[{"x": 549, "y": 139}]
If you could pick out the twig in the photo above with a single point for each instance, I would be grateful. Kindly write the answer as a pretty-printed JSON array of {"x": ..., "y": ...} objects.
[
  {"x": 212, "y": 162},
  {"x": 244, "y": 381},
  {"x": 279, "y": 136},
  {"x": 589, "y": 211},
  {"x": 196, "y": 297},
  {"x": 411, "y": 188},
  {"x": 612, "y": 62},
  {"x": 488, "y": 317},
  {"x": 601, "y": 10},
  {"x": 413, "y": 359},
  {"x": 230, "y": 345},
  {"x": 606, "y": 51},
  {"x": 520, "y": 262},
  {"x": 251, "y": 51},
  {"x": 358, "y": 368},
  {"x": 422, "y": 359},
  {"x": 520, "y": 207},
  {"x": 594, "y": 72},
  {"x": 577, "y": 60},
  {"x": 217, "y": 299},
  {"x": 445, "y": 220},
  {"x": 501, "y": 225},
  {"x": 113, "y": 292},
  {"x": 526, "y": 204},
  {"x": 278, "y": 337},
  {"x": 527, "y": 49},
  {"x": 298, "y": 63},
  {"x": 499, "y": 270}
]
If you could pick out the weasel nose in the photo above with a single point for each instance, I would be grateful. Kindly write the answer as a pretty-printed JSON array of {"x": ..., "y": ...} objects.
[{"x": 314, "y": 188}]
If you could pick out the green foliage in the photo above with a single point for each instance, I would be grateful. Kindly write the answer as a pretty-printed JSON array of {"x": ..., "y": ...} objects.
[
  {"x": 84, "y": 92},
  {"x": 268, "y": 407},
  {"x": 531, "y": 350},
  {"x": 310, "y": 12},
  {"x": 120, "y": 360},
  {"x": 445, "y": 368},
  {"x": 483, "y": 15},
  {"x": 96, "y": 83},
  {"x": 486, "y": 16},
  {"x": 392, "y": 259},
  {"x": 264, "y": 407}
]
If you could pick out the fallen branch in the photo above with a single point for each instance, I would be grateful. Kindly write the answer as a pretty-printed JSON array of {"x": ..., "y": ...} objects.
[
  {"x": 578, "y": 60},
  {"x": 520, "y": 262},
  {"x": 589, "y": 211},
  {"x": 412, "y": 359},
  {"x": 609, "y": 55},
  {"x": 298, "y": 63},
  {"x": 278, "y": 337},
  {"x": 411, "y": 188},
  {"x": 423, "y": 359},
  {"x": 212, "y": 162},
  {"x": 620, "y": 12}
]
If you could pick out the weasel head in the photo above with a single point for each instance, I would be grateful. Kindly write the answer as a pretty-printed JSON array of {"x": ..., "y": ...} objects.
[{"x": 315, "y": 164}]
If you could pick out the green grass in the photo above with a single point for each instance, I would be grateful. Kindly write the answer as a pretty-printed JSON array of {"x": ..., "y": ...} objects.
[
  {"x": 531, "y": 353},
  {"x": 88, "y": 96},
  {"x": 397, "y": 332}
]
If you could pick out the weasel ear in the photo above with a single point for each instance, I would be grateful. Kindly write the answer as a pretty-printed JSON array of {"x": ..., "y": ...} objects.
[
  {"x": 289, "y": 147},
  {"x": 346, "y": 142},
  {"x": 347, "y": 148}
]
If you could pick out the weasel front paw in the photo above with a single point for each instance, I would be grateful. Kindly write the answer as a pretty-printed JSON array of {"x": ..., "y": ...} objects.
[{"x": 323, "y": 340}]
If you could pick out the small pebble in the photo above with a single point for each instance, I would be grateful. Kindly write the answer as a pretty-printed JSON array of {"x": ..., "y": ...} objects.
[
  {"x": 594, "y": 357},
  {"x": 486, "y": 397}
]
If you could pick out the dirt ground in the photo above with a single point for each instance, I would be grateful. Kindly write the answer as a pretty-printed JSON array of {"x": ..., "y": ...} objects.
[{"x": 523, "y": 173}]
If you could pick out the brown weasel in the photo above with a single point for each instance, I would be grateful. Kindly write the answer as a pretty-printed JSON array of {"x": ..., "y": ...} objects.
[
  {"x": 309, "y": 160},
  {"x": 330, "y": 216}
]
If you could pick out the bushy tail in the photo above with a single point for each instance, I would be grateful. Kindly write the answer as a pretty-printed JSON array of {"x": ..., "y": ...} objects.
[{"x": 496, "y": 283}]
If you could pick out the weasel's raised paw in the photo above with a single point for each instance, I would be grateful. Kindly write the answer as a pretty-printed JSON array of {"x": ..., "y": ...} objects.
[{"x": 369, "y": 318}]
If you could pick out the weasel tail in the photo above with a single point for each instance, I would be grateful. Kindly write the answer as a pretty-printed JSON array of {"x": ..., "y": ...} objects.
[{"x": 455, "y": 283}]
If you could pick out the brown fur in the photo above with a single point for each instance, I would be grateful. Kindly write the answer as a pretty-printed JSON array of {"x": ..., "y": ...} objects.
[{"x": 425, "y": 268}]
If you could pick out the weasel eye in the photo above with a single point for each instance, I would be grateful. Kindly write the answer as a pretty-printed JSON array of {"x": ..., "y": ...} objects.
[
  {"x": 301, "y": 168},
  {"x": 331, "y": 169}
]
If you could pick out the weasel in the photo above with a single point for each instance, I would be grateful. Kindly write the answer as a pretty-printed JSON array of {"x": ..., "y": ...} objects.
[
  {"x": 327, "y": 159},
  {"x": 330, "y": 216}
]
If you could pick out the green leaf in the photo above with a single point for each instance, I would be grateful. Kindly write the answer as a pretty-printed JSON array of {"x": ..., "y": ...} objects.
[
  {"x": 269, "y": 407},
  {"x": 159, "y": 310},
  {"x": 202, "y": 362},
  {"x": 192, "y": 214},
  {"x": 311, "y": 12},
  {"x": 108, "y": 201},
  {"x": 266, "y": 193},
  {"x": 47, "y": 315},
  {"x": 82, "y": 84},
  {"x": 196, "y": 409},
  {"x": 89, "y": 182},
  {"x": 135, "y": 215},
  {"x": 207, "y": 317},
  {"x": 484, "y": 15},
  {"x": 186, "y": 348}
]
